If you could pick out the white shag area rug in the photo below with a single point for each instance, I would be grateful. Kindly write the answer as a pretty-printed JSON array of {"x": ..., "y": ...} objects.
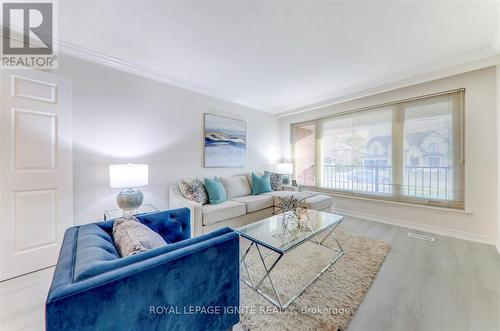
[{"x": 327, "y": 304}]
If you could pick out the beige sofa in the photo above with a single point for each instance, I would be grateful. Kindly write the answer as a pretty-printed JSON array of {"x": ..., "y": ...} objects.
[{"x": 241, "y": 207}]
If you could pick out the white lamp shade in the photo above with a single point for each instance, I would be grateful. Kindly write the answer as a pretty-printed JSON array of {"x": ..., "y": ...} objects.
[
  {"x": 128, "y": 175},
  {"x": 284, "y": 168}
]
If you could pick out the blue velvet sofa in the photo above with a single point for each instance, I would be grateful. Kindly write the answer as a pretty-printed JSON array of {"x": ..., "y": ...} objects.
[{"x": 190, "y": 284}]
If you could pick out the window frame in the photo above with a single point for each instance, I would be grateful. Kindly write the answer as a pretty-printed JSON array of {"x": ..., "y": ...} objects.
[{"x": 458, "y": 130}]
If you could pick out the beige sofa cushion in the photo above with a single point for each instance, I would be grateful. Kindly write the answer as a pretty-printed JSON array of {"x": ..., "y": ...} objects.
[
  {"x": 217, "y": 213},
  {"x": 312, "y": 200},
  {"x": 255, "y": 202},
  {"x": 318, "y": 202},
  {"x": 286, "y": 194},
  {"x": 236, "y": 186}
]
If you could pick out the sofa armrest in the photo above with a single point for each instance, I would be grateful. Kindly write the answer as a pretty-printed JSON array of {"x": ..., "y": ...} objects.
[
  {"x": 177, "y": 200},
  {"x": 203, "y": 273}
]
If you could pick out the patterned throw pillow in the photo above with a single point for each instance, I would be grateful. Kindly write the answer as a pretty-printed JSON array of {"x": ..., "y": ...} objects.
[
  {"x": 194, "y": 190},
  {"x": 132, "y": 237},
  {"x": 276, "y": 181}
]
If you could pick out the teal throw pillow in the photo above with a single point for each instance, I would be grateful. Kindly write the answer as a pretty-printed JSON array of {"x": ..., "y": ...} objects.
[
  {"x": 260, "y": 184},
  {"x": 215, "y": 190}
]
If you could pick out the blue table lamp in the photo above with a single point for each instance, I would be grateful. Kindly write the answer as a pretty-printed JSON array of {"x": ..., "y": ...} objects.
[{"x": 128, "y": 177}]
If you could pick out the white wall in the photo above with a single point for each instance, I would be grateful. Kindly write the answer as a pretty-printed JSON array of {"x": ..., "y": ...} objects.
[
  {"x": 120, "y": 118},
  {"x": 481, "y": 160}
]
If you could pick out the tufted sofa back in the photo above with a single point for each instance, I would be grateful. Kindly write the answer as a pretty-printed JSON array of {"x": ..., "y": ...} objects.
[{"x": 96, "y": 252}]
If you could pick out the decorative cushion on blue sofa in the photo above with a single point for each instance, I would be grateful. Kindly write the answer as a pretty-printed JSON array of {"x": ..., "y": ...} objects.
[{"x": 131, "y": 237}]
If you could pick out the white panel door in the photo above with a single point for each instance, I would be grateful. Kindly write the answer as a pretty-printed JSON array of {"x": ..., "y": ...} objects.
[{"x": 36, "y": 169}]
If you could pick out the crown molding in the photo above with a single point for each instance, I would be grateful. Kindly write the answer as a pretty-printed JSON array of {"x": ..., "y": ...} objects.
[
  {"x": 73, "y": 50},
  {"x": 85, "y": 54},
  {"x": 478, "y": 59}
]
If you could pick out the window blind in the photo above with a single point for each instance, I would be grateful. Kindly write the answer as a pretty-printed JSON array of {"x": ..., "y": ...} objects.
[{"x": 408, "y": 151}]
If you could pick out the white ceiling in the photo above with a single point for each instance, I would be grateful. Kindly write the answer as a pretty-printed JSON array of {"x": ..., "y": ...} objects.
[{"x": 277, "y": 56}]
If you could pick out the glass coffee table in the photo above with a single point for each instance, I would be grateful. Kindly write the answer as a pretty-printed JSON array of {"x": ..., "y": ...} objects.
[{"x": 280, "y": 238}]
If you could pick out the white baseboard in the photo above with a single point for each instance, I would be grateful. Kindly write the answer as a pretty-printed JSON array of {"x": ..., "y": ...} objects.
[{"x": 421, "y": 227}]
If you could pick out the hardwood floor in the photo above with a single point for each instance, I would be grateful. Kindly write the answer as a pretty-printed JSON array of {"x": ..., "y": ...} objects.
[
  {"x": 448, "y": 284},
  {"x": 22, "y": 301}
]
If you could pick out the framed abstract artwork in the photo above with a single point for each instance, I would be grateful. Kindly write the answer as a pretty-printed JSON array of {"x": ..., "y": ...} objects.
[{"x": 225, "y": 141}]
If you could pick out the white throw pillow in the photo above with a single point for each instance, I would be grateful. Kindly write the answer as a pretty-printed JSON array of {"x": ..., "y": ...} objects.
[{"x": 236, "y": 186}]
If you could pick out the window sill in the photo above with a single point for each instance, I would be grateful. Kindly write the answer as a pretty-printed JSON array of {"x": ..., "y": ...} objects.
[{"x": 397, "y": 203}]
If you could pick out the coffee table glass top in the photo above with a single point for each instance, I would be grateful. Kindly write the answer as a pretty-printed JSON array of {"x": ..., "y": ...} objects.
[{"x": 272, "y": 232}]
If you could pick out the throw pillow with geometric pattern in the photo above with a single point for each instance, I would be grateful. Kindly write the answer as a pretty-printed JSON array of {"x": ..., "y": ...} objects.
[
  {"x": 194, "y": 190},
  {"x": 276, "y": 181}
]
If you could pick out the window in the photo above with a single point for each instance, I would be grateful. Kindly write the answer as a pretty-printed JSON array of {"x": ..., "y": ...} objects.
[
  {"x": 356, "y": 142},
  {"x": 433, "y": 161},
  {"x": 414, "y": 160},
  {"x": 408, "y": 151},
  {"x": 304, "y": 153},
  {"x": 433, "y": 148}
]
